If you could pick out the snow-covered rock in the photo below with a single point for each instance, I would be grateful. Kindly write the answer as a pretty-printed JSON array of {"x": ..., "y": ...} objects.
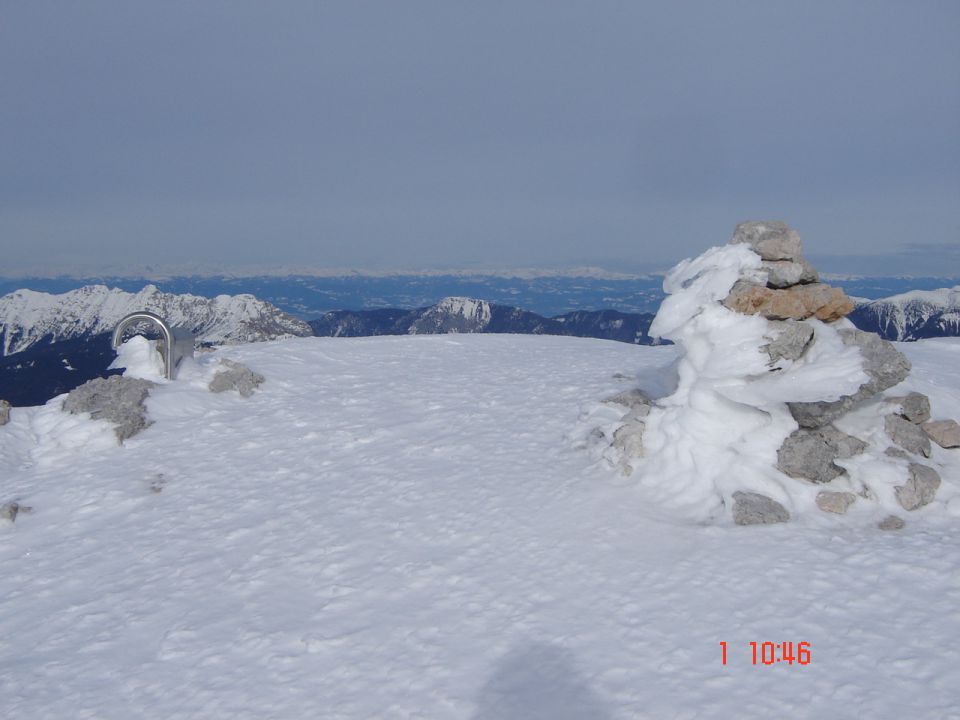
[
  {"x": 116, "y": 399},
  {"x": 27, "y": 317},
  {"x": 235, "y": 376},
  {"x": 762, "y": 411}
]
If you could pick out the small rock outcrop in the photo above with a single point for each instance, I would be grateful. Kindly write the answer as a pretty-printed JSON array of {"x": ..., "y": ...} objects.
[
  {"x": 776, "y": 389},
  {"x": 4, "y": 412},
  {"x": 809, "y": 454},
  {"x": 9, "y": 511},
  {"x": 915, "y": 407},
  {"x": 835, "y": 502},
  {"x": 891, "y": 522},
  {"x": 906, "y": 435},
  {"x": 117, "y": 399},
  {"x": 945, "y": 433},
  {"x": 237, "y": 377},
  {"x": 920, "y": 489},
  {"x": 751, "y": 508}
]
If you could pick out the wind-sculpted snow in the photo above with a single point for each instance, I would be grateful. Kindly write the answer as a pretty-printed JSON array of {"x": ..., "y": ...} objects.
[
  {"x": 410, "y": 527},
  {"x": 27, "y": 317}
]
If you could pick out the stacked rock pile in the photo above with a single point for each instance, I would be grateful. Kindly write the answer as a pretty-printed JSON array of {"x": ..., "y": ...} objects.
[{"x": 837, "y": 442}]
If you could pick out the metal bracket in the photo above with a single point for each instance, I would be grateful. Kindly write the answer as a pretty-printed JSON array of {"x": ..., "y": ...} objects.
[{"x": 177, "y": 343}]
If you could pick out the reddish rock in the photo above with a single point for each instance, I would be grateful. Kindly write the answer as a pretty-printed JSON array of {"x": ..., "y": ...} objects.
[{"x": 795, "y": 303}]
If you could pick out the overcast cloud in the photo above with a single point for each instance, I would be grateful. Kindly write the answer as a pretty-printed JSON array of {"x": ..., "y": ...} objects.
[{"x": 474, "y": 134}]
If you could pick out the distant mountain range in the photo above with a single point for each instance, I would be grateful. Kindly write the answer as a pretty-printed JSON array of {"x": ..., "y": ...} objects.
[
  {"x": 911, "y": 316},
  {"x": 52, "y": 343},
  {"x": 466, "y": 315},
  {"x": 550, "y": 295},
  {"x": 28, "y": 318}
]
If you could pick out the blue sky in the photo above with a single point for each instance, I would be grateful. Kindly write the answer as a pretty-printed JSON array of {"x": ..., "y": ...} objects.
[{"x": 498, "y": 134}]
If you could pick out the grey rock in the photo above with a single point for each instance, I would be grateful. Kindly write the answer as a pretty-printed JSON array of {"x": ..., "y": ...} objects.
[
  {"x": 815, "y": 414},
  {"x": 754, "y": 509},
  {"x": 896, "y": 452},
  {"x": 809, "y": 454},
  {"x": 891, "y": 522},
  {"x": 945, "y": 433},
  {"x": 236, "y": 377},
  {"x": 9, "y": 511},
  {"x": 791, "y": 339},
  {"x": 806, "y": 454},
  {"x": 770, "y": 239},
  {"x": 884, "y": 365},
  {"x": 784, "y": 273},
  {"x": 117, "y": 399},
  {"x": 915, "y": 407},
  {"x": 4, "y": 412},
  {"x": 835, "y": 502},
  {"x": 920, "y": 489},
  {"x": 907, "y": 435},
  {"x": 847, "y": 445}
]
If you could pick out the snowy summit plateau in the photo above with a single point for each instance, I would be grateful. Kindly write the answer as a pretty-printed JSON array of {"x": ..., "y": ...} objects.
[{"x": 496, "y": 527}]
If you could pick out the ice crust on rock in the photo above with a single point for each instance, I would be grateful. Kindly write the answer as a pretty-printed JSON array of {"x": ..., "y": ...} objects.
[
  {"x": 790, "y": 340},
  {"x": 785, "y": 410},
  {"x": 884, "y": 365}
]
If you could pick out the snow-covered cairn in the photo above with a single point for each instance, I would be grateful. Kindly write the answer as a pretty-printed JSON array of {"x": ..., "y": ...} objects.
[{"x": 778, "y": 406}]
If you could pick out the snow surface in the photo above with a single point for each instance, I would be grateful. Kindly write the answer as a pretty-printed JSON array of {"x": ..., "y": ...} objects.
[{"x": 419, "y": 527}]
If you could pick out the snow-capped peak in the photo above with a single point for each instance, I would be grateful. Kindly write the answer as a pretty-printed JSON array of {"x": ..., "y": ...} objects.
[
  {"x": 454, "y": 315},
  {"x": 27, "y": 316},
  {"x": 912, "y": 315}
]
